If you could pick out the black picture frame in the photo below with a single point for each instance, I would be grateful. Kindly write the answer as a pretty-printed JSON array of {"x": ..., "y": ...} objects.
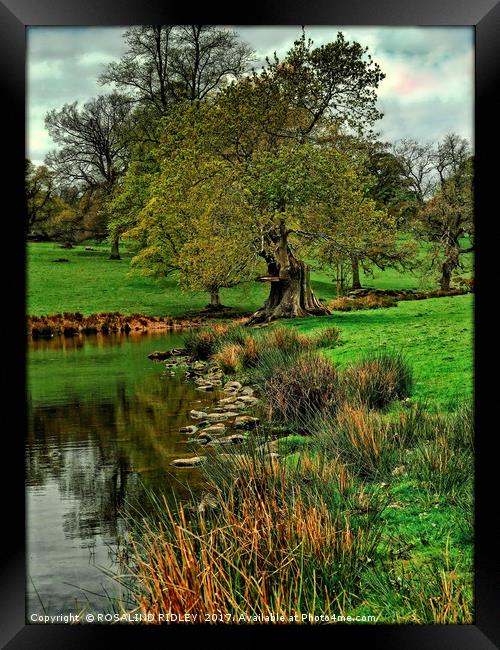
[{"x": 15, "y": 16}]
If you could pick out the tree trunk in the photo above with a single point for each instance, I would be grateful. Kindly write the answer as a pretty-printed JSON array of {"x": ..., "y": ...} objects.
[
  {"x": 115, "y": 250},
  {"x": 214, "y": 300},
  {"x": 356, "y": 283},
  {"x": 290, "y": 295},
  {"x": 445, "y": 276}
]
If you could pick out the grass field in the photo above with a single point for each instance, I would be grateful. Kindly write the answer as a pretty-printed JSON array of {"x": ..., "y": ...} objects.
[
  {"x": 89, "y": 282},
  {"x": 435, "y": 335}
]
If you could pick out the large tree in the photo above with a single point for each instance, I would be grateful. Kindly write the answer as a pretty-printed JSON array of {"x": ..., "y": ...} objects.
[
  {"x": 211, "y": 217},
  {"x": 441, "y": 177},
  {"x": 269, "y": 127},
  {"x": 447, "y": 219},
  {"x": 275, "y": 121},
  {"x": 164, "y": 64},
  {"x": 94, "y": 142}
]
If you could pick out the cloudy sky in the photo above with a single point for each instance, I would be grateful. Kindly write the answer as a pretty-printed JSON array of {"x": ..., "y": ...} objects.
[{"x": 428, "y": 90}]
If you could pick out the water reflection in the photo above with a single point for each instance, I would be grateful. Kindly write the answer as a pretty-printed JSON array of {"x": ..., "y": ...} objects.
[{"x": 103, "y": 428}]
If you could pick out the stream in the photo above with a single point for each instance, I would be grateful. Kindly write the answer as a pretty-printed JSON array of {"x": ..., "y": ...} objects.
[{"x": 103, "y": 427}]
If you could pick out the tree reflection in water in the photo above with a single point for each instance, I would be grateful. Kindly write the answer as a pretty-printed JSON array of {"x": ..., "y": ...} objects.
[{"x": 103, "y": 427}]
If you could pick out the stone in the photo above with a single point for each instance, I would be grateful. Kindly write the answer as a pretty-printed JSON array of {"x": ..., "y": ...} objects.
[
  {"x": 236, "y": 406},
  {"x": 247, "y": 391},
  {"x": 246, "y": 422},
  {"x": 204, "y": 437},
  {"x": 215, "y": 429},
  {"x": 228, "y": 400},
  {"x": 217, "y": 417},
  {"x": 247, "y": 399},
  {"x": 159, "y": 356},
  {"x": 231, "y": 414},
  {"x": 234, "y": 439},
  {"x": 197, "y": 415},
  {"x": 177, "y": 351},
  {"x": 194, "y": 461},
  {"x": 205, "y": 388},
  {"x": 191, "y": 429},
  {"x": 233, "y": 385},
  {"x": 398, "y": 471}
]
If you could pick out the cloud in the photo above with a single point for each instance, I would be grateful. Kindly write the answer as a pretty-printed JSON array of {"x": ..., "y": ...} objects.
[{"x": 427, "y": 92}]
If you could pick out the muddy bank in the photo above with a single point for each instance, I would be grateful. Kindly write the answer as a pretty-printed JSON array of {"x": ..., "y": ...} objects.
[{"x": 73, "y": 324}]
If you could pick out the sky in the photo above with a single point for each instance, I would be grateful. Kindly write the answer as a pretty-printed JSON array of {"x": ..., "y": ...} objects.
[{"x": 428, "y": 90}]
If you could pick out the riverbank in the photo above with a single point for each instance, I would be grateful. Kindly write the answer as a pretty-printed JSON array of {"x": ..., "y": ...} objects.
[
  {"x": 359, "y": 496},
  {"x": 70, "y": 324}
]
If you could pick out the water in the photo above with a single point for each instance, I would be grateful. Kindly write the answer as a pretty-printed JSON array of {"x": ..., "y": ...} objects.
[{"x": 103, "y": 427}]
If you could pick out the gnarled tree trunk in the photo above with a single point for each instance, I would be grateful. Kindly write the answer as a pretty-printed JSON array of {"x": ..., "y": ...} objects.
[{"x": 290, "y": 295}]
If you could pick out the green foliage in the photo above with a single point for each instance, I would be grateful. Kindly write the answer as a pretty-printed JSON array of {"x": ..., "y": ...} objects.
[
  {"x": 41, "y": 199},
  {"x": 234, "y": 170}
]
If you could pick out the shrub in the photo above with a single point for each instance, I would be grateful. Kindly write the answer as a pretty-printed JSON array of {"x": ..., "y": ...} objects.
[
  {"x": 300, "y": 387},
  {"x": 371, "y": 301},
  {"x": 229, "y": 334},
  {"x": 274, "y": 541},
  {"x": 251, "y": 352},
  {"x": 378, "y": 380}
]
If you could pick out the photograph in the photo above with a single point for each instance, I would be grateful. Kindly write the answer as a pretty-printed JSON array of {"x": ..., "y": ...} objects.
[{"x": 250, "y": 325}]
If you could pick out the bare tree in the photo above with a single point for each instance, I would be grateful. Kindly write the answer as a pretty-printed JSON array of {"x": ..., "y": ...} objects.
[
  {"x": 419, "y": 165},
  {"x": 168, "y": 63}
]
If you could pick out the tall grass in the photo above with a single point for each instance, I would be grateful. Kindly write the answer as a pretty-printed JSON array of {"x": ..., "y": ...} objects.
[
  {"x": 378, "y": 380},
  {"x": 277, "y": 542},
  {"x": 200, "y": 344},
  {"x": 300, "y": 386}
]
